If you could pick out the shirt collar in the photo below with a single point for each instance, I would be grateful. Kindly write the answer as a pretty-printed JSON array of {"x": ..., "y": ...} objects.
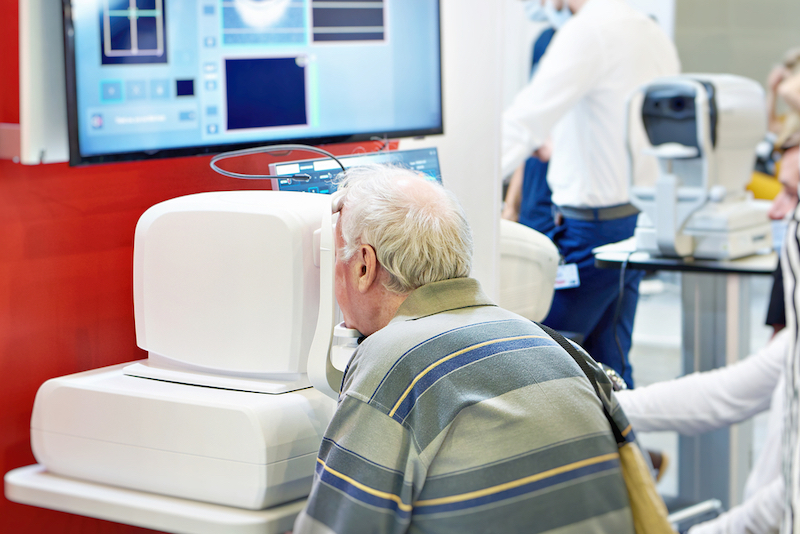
[{"x": 438, "y": 297}]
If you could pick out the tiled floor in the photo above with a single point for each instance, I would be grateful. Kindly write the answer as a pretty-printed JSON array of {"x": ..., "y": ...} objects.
[{"x": 656, "y": 354}]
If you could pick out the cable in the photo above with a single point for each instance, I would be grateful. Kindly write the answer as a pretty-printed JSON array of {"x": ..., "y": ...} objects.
[
  {"x": 619, "y": 309},
  {"x": 264, "y": 149}
]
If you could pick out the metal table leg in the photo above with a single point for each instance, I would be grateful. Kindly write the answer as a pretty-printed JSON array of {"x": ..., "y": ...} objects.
[{"x": 716, "y": 332}]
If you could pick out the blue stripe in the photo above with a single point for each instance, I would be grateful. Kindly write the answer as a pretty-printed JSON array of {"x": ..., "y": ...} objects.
[
  {"x": 520, "y": 490},
  {"x": 459, "y": 361},
  {"x": 355, "y": 454},
  {"x": 409, "y": 351},
  {"x": 360, "y": 495}
]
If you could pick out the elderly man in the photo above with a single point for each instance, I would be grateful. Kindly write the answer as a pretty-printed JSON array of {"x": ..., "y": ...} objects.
[
  {"x": 578, "y": 96},
  {"x": 454, "y": 415}
]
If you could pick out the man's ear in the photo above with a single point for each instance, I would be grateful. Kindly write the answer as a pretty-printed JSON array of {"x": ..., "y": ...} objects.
[{"x": 368, "y": 267}]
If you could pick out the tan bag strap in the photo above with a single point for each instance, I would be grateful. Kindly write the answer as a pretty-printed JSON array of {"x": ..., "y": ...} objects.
[
  {"x": 584, "y": 365},
  {"x": 647, "y": 507}
]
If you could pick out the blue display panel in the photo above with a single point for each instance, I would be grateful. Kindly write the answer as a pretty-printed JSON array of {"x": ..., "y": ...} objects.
[
  {"x": 154, "y": 78},
  {"x": 315, "y": 175}
]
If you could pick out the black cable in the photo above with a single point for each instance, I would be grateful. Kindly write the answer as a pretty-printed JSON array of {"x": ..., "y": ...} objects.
[
  {"x": 264, "y": 149},
  {"x": 619, "y": 309}
]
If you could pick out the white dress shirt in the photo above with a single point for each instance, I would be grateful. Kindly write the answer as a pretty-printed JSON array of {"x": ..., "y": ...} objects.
[
  {"x": 702, "y": 402},
  {"x": 579, "y": 94}
]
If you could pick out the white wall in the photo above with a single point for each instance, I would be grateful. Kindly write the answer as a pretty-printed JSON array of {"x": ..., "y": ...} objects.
[
  {"x": 42, "y": 87},
  {"x": 744, "y": 37},
  {"x": 518, "y": 37},
  {"x": 469, "y": 150}
]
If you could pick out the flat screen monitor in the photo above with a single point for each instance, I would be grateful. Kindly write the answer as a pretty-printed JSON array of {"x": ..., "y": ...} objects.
[
  {"x": 157, "y": 78},
  {"x": 315, "y": 175}
]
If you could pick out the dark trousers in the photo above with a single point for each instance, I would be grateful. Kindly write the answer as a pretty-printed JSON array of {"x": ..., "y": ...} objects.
[{"x": 594, "y": 309}]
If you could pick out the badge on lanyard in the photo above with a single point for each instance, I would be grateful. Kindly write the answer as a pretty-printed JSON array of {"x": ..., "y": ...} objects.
[{"x": 567, "y": 276}]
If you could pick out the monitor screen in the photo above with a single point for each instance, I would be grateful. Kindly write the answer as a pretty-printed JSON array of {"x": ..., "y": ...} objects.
[
  {"x": 156, "y": 78},
  {"x": 315, "y": 175}
]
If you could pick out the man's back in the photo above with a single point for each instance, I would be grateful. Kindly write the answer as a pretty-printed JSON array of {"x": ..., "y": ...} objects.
[{"x": 462, "y": 417}]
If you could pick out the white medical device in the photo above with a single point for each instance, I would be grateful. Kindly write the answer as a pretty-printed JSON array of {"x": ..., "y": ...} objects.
[
  {"x": 228, "y": 304},
  {"x": 220, "y": 426},
  {"x": 703, "y": 128},
  {"x": 528, "y": 267}
]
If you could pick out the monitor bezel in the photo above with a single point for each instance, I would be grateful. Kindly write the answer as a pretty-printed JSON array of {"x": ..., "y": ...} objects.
[{"x": 76, "y": 158}]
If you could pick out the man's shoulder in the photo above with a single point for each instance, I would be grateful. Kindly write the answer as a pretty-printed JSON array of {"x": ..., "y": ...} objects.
[
  {"x": 404, "y": 348},
  {"x": 599, "y": 24},
  {"x": 449, "y": 329},
  {"x": 609, "y": 18}
]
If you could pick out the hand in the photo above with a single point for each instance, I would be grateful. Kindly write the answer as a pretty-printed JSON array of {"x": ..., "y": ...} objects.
[
  {"x": 509, "y": 213},
  {"x": 545, "y": 151},
  {"x": 782, "y": 204}
]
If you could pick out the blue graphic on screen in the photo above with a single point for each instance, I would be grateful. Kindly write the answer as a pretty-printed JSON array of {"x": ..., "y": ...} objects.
[
  {"x": 358, "y": 22},
  {"x": 263, "y": 22},
  {"x": 238, "y": 72},
  {"x": 316, "y": 175},
  {"x": 255, "y": 100},
  {"x": 132, "y": 31}
]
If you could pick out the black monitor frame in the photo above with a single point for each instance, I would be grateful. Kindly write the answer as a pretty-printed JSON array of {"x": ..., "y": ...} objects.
[{"x": 75, "y": 157}]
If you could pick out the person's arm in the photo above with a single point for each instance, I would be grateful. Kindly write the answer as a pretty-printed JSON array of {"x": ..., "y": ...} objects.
[
  {"x": 514, "y": 195},
  {"x": 367, "y": 475},
  {"x": 569, "y": 69},
  {"x": 513, "y": 200},
  {"x": 700, "y": 402},
  {"x": 760, "y": 514}
]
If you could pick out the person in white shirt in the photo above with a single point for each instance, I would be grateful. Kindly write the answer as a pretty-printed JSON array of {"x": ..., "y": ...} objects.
[
  {"x": 702, "y": 402},
  {"x": 578, "y": 97}
]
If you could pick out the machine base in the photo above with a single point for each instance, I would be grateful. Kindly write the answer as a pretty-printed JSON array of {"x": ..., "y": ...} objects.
[
  {"x": 35, "y": 486},
  {"x": 230, "y": 448},
  {"x": 713, "y": 245}
]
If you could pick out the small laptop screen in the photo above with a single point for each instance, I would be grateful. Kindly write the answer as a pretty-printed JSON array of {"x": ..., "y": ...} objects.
[{"x": 315, "y": 175}]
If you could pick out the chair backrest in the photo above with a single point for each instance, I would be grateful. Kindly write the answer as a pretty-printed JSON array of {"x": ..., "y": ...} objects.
[{"x": 528, "y": 264}]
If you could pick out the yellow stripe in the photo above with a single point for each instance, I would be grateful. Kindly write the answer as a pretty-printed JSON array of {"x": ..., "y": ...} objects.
[
  {"x": 450, "y": 357},
  {"x": 382, "y": 494},
  {"x": 627, "y": 431},
  {"x": 517, "y": 483}
]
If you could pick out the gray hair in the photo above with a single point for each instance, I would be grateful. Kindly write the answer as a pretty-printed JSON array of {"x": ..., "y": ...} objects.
[{"x": 419, "y": 235}]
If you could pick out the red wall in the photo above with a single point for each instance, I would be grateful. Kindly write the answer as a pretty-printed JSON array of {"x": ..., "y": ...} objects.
[{"x": 66, "y": 237}]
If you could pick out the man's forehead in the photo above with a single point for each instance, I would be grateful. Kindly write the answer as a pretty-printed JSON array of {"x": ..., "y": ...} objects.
[{"x": 338, "y": 236}]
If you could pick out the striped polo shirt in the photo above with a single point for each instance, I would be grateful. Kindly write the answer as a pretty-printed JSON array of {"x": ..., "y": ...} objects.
[{"x": 459, "y": 416}]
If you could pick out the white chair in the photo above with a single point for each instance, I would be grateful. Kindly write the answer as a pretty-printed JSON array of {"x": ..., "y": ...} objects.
[{"x": 528, "y": 264}]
